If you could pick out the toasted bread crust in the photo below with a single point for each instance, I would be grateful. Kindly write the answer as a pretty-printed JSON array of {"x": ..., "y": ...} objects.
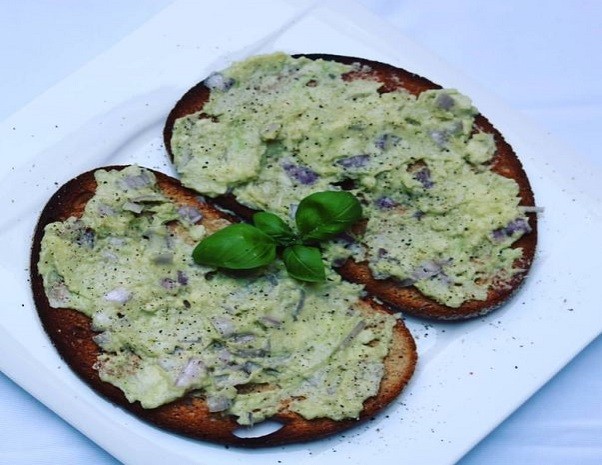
[
  {"x": 70, "y": 332},
  {"x": 407, "y": 299}
]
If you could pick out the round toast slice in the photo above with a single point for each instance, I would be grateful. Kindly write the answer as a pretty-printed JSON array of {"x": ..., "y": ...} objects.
[
  {"x": 72, "y": 335},
  {"x": 399, "y": 295}
]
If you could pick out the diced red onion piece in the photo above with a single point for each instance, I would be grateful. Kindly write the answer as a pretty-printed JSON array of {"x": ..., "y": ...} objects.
[
  {"x": 218, "y": 81},
  {"x": 426, "y": 270},
  {"x": 519, "y": 225},
  {"x": 251, "y": 367},
  {"x": 190, "y": 213},
  {"x": 192, "y": 371},
  {"x": 100, "y": 320},
  {"x": 292, "y": 210},
  {"x": 301, "y": 174},
  {"x": 105, "y": 210},
  {"x": 133, "y": 207},
  {"x": 182, "y": 278},
  {"x": 385, "y": 203},
  {"x": 444, "y": 101},
  {"x": 119, "y": 295},
  {"x": 243, "y": 338},
  {"x": 300, "y": 304},
  {"x": 270, "y": 321},
  {"x": 439, "y": 137},
  {"x": 386, "y": 141},
  {"x": 163, "y": 258},
  {"x": 102, "y": 339},
  {"x": 168, "y": 283},
  {"x": 58, "y": 294},
  {"x": 218, "y": 403},
  {"x": 137, "y": 181},
  {"x": 358, "y": 328},
  {"x": 423, "y": 176},
  {"x": 86, "y": 238},
  {"x": 356, "y": 161},
  {"x": 224, "y": 356},
  {"x": 223, "y": 325}
]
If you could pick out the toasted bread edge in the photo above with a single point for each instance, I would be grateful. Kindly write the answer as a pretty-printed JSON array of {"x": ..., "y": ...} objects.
[
  {"x": 406, "y": 299},
  {"x": 71, "y": 333}
]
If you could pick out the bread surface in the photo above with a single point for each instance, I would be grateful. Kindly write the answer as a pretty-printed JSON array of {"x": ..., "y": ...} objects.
[
  {"x": 71, "y": 333},
  {"x": 405, "y": 298}
]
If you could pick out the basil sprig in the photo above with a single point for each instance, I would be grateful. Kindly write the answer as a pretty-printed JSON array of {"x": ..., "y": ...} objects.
[
  {"x": 304, "y": 263},
  {"x": 275, "y": 227},
  {"x": 236, "y": 247},
  {"x": 323, "y": 215},
  {"x": 319, "y": 216}
]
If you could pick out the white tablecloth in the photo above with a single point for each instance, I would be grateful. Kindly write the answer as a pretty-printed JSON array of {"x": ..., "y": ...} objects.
[{"x": 542, "y": 58}]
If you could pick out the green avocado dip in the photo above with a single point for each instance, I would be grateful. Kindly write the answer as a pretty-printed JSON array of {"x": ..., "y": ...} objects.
[
  {"x": 167, "y": 326},
  {"x": 277, "y": 128}
]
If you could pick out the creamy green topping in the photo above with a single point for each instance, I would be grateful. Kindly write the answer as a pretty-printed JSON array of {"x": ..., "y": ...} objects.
[
  {"x": 277, "y": 129},
  {"x": 167, "y": 326}
]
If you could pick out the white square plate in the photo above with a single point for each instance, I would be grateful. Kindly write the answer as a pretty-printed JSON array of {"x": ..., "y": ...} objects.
[{"x": 470, "y": 376}]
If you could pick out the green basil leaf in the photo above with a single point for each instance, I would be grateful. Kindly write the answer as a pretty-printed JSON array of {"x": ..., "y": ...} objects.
[
  {"x": 323, "y": 215},
  {"x": 236, "y": 247},
  {"x": 304, "y": 263},
  {"x": 274, "y": 227}
]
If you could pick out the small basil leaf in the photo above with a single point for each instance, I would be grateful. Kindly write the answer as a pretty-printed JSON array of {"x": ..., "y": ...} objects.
[
  {"x": 323, "y": 215},
  {"x": 236, "y": 247},
  {"x": 304, "y": 263},
  {"x": 274, "y": 227}
]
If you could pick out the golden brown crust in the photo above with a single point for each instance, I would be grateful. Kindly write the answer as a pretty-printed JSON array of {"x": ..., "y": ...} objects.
[
  {"x": 70, "y": 332},
  {"x": 407, "y": 299}
]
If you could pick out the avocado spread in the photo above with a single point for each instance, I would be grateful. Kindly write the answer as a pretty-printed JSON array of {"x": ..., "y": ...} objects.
[
  {"x": 167, "y": 326},
  {"x": 277, "y": 128}
]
